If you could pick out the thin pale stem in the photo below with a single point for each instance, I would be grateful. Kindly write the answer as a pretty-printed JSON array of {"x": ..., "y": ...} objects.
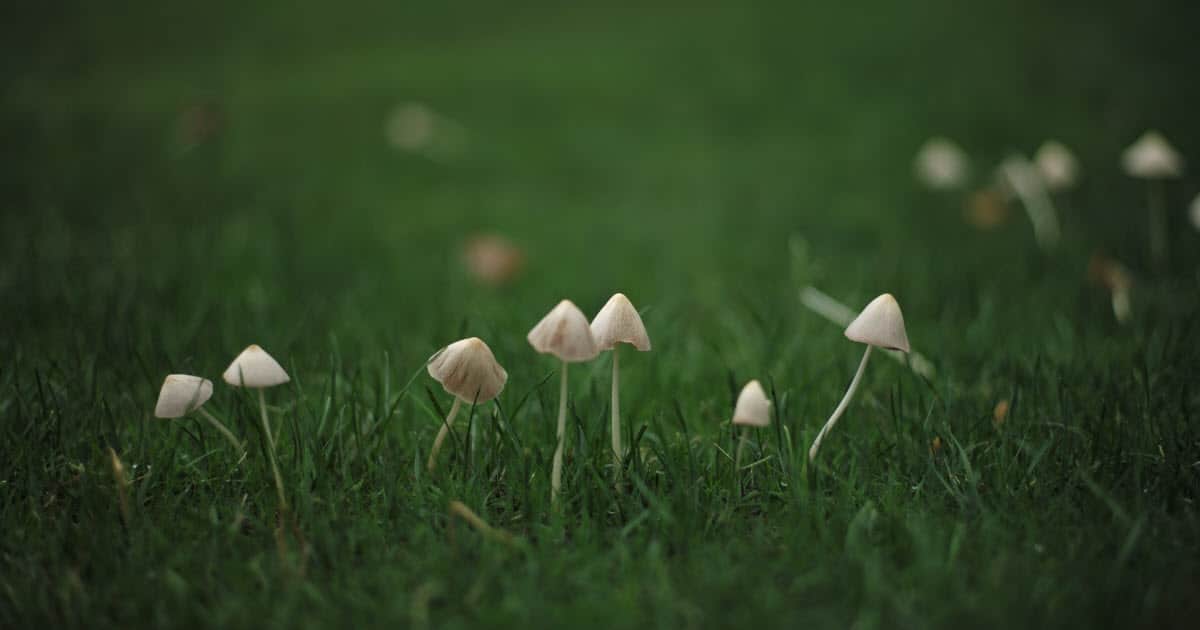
[
  {"x": 556, "y": 474},
  {"x": 616, "y": 414},
  {"x": 1158, "y": 223},
  {"x": 266, "y": 425},
  {"x": 442, "y": 433},
  {"x": 737, "y": 460},
  {"x": 841, "y": 408},
  {"x": 223, "y": 430}
]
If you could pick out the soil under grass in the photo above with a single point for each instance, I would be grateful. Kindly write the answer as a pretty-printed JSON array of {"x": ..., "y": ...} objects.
[{"x": 181, "y": 182}]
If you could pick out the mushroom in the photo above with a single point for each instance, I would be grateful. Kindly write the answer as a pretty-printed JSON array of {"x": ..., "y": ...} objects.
[
  {"x": 565, "y": 333},
  {"x": 618, "y": 322},
  {"x": 1153, "y": 159},
  {"x": 822, "y": 304},
  {"x": 941, "y": 164},
  {"x": 256, "y": 369},
  {"x": 753, "y": 409},
  {"x": 492, "y": 260},
  {"x": 182, "y": 394},
  {"x": 880, "y": 324},
  {"x": 1057, "y": 165},
  {"x": 468, "y": 369}
]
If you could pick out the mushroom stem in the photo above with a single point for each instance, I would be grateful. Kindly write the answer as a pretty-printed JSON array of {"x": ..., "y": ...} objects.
[
  {"x": 266, "y": 425},
  {"x": 841, "y": 408},
  {"x": 1121, "y": 306},
  {"x": 1158, "y": 222},
  {"x": 442, "y": 432},
  {"x": 616, "y": 414},
  {"x": 556, "y": 475},
  {"x": 223, "y": 430},
  {"x": 737, "y": 460}
]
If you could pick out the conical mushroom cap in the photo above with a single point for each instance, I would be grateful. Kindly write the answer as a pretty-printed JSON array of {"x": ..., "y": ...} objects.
[
  {"x": 1152, "y": 157},
  {"x": 182, "y": 394},
  {"x": 468, "y": 369},
  {"x": 1057, "y": 165},
  {"x": 619, "y": 322},
  {"x": 255, "y": 368},
  {"x": 565, "y": 333},
  {"x": 753, "y": 407},
  {"x": 941, "y": 164},
  {"x": 880, "y": 324}
]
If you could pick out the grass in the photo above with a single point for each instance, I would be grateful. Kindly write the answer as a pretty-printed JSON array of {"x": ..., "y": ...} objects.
[{"x": 676, "y": 154}]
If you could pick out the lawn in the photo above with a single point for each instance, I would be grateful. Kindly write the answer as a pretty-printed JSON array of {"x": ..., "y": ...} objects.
[{"x": 182, "y": 181}]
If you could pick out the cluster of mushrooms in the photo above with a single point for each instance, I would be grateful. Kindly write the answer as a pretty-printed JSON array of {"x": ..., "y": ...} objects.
[
  {"x": 469, "y": 371},
  {"x": 943, "y": 166}
]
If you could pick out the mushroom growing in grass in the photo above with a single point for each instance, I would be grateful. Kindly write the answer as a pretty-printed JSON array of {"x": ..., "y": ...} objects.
[
  {"x": 1153, "y": 159},
  {"x": 565, "y": 333},
  {"x": 182, "y": 394},
  {"x": 840, "y": 314},
  {"x": 1020, "y": 176},
  {"x": 1057, "y": 166},
  {"x": 255, "y": 369},
  {"x": 618, "y": 322},
  {"x": 1113, "y": 276},
  {"x": 753, "y": 410},
  {"x": 941, "y": 165},
  {"x": 468, "y": 370},
  {"x": 879, "y": 325}
]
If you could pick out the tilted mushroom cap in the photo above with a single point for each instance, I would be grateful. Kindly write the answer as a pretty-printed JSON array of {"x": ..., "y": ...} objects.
[
  {"x": 255, "y": 368},
  {"x": 565, "y": 333},
  {"x": 753, "y": 407},
  {"x": 619, "y": 322},
  {"x": 941, "y": 164},
  {"x": 880, "y": 324},
  {"x": 182, "y": 394},
  {"x": 1057, "y": 165},
  {"x": 1152, "y": 157},
  {"x": 468, "y": 369}
]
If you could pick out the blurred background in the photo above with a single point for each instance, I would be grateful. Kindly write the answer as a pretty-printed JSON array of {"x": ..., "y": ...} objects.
[{"x": 307, "y": 166}]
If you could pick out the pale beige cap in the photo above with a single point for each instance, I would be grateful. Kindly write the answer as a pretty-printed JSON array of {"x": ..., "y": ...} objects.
[
  {"x": 619, "y": 322},
  {"x": 255, "y": 368},
  {"x": 182, "y": 394},
  {"x": 565, "y": 333},
  {"x": 753, "y": 407},
  {"x": 1152, "y": 157},
  {"x": 468, "y": 369},
  {"x": 880, "y": 324}
]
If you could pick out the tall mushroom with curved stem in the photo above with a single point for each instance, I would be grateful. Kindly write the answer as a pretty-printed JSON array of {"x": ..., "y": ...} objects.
[
  {"x": 256, "y": 369},
  {"x": 618, "y": 322},
  {"x": 468, "y": 369},
  {"x": 182, "y": 394},
  {"x": 753, "y": 410},
  {"x": 879, "y": 325},
  {"x": 565, "y": 333},
  {"x": 1154, "y": 160}
]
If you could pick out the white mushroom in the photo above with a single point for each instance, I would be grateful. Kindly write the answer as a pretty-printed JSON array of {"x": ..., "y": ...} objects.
[
  {"x": 880, "y": 324},
  {"x": 618, "y": 322},
  {"x": 753, "y": 409},
  {"x": 1057, "y": 165},
  {"x": 256, "y": 369},
  {"x": 467, "y": 369},
  {"x": 1153, "y": 159},
  {"x": 182, "y": 394},
  {"x": 565, "y": 333},
  {"x": 941, "y": 164}
]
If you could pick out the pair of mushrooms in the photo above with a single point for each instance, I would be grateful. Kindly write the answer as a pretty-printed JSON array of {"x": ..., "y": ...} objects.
[
  {"x": 879, "y": 325},
  {"x": 182, "y": 394},
  {"x": 468, "y": 369}
]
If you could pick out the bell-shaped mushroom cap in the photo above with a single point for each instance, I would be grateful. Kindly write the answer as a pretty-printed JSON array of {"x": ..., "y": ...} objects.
[
  {"x": 1057, "y": 165},
  {"x": 565, "y": 333},
  {"x": 753, "y": 407},
  {"x": 619, "y": 322},
  {"x": 182, "y": 394},
  {"x": 468, "y": 369},
  {"x": 255, "y": 368},
  {"x": 880, "y": 324},
  {"x": 1152, "y": 157},
  {"x": 941, "y": 165}
]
